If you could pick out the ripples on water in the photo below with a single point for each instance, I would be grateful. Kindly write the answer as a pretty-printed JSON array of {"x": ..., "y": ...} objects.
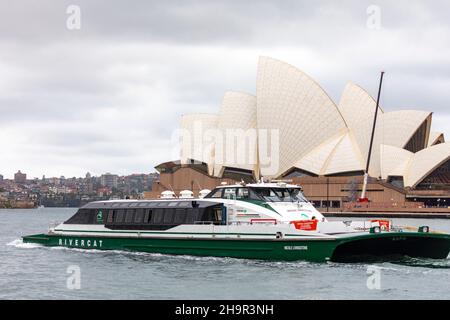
[{"x": 31, "y": 271}]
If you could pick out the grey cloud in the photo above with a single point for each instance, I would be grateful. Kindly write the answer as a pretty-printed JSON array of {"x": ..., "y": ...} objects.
[
  {"x": 109, "y": 96},
  {"x": 211, "y": 22}
]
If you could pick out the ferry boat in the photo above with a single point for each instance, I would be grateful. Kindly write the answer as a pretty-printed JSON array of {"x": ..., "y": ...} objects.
[{"x": 272, "y": 221}]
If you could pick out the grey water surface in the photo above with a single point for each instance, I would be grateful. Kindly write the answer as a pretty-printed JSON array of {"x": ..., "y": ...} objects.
[{"x": 29, "y": 271}]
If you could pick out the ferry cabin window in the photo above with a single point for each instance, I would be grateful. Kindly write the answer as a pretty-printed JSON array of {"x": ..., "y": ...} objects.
[
  {"x": 212, "y": 215},
  {"x": 83, "y": 216},
  {"x": 139, "y": 216},
  {"x": 129, "y": 216},
  {"x": 242, "y": 193},
  {"x": 218, "y": 214},
  {"x": 266, "y": 193},
  {"x": 119, "y": 216},
  {"x": 215, "y": 194},
  {"x": 191, "y": 215},
  {"x": 180, "y": 216},
  {"x": 148, "y": 216},
  {"x": 158, "y": 215},
  {"x": 168, "y": 216},
  {"x": 229, "y": 193},
  {"x": 110, "y": 218},
  {"x": 280, "y": 194},
  {"x": 283, "y": 194},
  {"x": 297, "y": 195}
]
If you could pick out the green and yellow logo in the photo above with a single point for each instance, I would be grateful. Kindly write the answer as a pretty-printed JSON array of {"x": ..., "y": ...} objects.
[{"x": 100, "y": 216}]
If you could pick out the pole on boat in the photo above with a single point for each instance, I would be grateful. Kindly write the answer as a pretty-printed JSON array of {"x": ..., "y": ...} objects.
[{"x": 366, "y": 173}]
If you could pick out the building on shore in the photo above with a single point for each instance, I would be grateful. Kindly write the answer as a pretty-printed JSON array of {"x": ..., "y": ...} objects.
[
  {"x": 293, "y": 130},
  {"x": 20, "y": 177},
  {"x": 109, "y": 180}
]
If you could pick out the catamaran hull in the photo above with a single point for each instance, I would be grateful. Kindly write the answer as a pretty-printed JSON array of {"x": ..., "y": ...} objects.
[
  {"x": 389, "y": 246},
  {"x": 345, "y": 249}
]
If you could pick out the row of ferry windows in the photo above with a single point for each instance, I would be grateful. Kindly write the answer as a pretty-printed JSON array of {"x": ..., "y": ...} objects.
[
  {"x": 238, "y": 193},
  {"x": 154, "y": 204},
  {"x": 150, "y": 216}
]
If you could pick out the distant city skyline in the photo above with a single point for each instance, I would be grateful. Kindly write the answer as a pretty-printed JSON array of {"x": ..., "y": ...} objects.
[
  {"x": 29, "y": 177},
  {"x": 107, "y": 96},
  {"x": 27, "y": 192}
]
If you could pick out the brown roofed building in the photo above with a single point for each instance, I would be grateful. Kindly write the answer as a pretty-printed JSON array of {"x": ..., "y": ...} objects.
[{"x": 20, "y": 177}]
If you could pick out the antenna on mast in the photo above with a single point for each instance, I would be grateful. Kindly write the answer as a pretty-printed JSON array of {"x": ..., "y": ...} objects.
[
  {"x": 171, "y": 189},
  {"x": 366, "y": 173}
]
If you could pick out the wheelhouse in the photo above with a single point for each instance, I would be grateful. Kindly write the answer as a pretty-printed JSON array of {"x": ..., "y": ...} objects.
[
  {"x": 154, "y": 215},
  {"x": 267, "y": 194}
]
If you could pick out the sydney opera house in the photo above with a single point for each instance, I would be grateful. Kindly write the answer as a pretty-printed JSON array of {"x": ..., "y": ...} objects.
[{"x": 292, "y": 129}]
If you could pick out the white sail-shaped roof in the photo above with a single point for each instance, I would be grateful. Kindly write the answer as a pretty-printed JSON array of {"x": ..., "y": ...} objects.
[
  {"x": 435, "y": 138},
  {"x": 344, "y": 158},
  {"x": 315, "y": 161},
  {"x": 198, "y": 135},
  {"x": 293, "y": 123},
  {"x": 337, "y": 155},
  {"x": 294, "y": 105},
  {"x": 425, "y": 162},
  {"x": 237, "y": 124},
  {"x": 394, "y": 161},
  {"x": 399, "y": 126},
  {"x": 358, "y": 109}
]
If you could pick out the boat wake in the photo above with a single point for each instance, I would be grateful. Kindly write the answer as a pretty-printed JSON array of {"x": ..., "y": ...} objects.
[
  {"x": 424, "y": 263},
  {"x": 18, "y": 243}
]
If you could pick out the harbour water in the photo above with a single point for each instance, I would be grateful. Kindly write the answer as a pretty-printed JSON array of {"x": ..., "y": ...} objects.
[{"x": 33, "y": 272}]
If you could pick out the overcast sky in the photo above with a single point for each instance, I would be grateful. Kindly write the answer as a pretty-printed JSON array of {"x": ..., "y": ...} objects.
[{"x": 107, "y": 97}]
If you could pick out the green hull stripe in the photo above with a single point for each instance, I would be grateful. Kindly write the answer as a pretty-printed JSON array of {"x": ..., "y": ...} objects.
[
  {"x": 268, "y": 249},
  {"x": 412, "y": 244}
]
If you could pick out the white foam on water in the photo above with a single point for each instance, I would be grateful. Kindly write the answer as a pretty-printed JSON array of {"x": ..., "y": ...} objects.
[
  {"x": 18, "y": 243},
  {"x": 75, "y": 249},
  {"x": 389, "y": 268},
  {"x": 277, "y": 264},
  {"x": 105, "y": 252}
]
